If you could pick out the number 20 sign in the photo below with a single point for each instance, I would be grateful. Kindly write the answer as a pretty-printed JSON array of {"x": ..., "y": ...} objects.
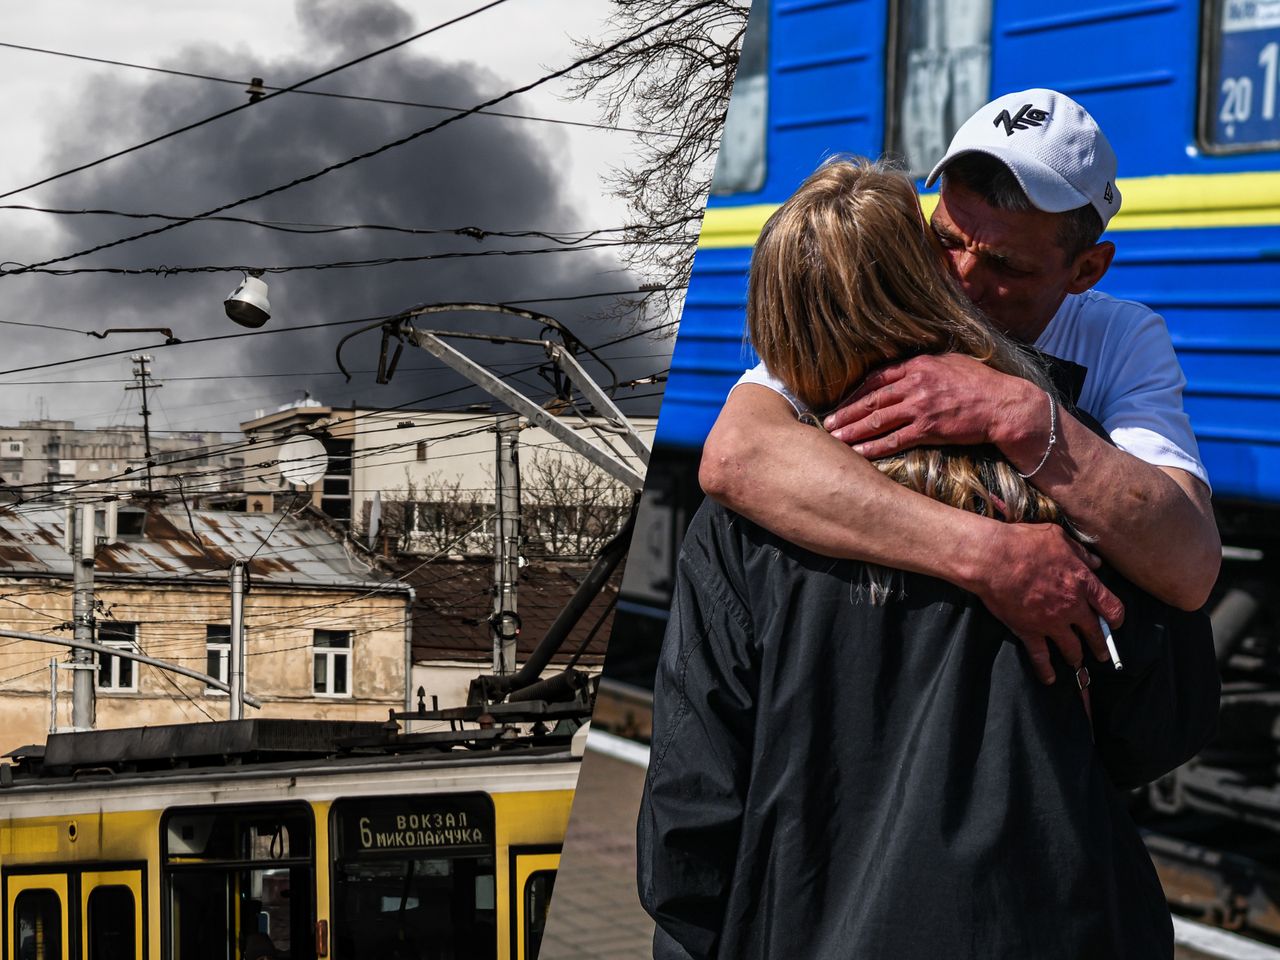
[{"x": 1248, "y": 83}]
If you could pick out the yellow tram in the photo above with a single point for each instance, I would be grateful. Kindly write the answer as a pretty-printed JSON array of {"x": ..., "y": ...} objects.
[{"x": 281, "y": 839}]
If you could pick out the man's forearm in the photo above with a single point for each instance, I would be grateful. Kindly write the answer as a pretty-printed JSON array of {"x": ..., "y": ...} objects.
[
  {"x": 1155, "y": 526},
  {"x": 809, "y": 488}
]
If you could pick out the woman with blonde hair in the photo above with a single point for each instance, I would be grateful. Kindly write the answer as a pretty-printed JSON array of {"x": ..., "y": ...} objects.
[{"x": 850, "y": 762}]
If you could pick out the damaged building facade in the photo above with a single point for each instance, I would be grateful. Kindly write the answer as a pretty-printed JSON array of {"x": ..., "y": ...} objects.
[{"x": 325, "y": 629}]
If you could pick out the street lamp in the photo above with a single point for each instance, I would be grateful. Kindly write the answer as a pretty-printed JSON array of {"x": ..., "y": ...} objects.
[{"x": 248, "y": 305}]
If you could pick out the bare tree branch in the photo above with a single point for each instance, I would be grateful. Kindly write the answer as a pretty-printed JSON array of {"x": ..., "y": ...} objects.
[{"x": 674, "y": 82}]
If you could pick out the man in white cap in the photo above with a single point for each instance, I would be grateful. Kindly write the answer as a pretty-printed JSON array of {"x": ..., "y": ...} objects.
[{"x": 1027, "y": 187}]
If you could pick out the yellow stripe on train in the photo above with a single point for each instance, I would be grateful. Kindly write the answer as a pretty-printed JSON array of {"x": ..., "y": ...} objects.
[{"x": 1179, "y": 202}]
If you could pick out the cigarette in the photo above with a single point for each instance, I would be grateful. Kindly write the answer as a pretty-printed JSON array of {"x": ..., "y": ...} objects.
[{"x": 1111, "y": 643}]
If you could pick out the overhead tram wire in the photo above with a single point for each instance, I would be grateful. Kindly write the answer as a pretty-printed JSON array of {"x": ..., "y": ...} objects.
[
  {"x": 334, "y": 95},
  {"x": 57, "y": 496},
  {"x": 567, "y": 237},
  {"x": 165, "y": 271},
  {"x": 317, "y": 326},
  {"x": 247, "y": 105},
  {"x": 42, "y": 501},
  {"x": 409, "y": 138},
  {"x": 212, "y": 478},
  {"x": 240, "y": 445},
  {"x": 258, "y": 376}
]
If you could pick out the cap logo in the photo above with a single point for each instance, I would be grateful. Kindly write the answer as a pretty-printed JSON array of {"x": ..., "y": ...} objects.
[
  {"x": 1028, "y": 116},
  {"x": 1107, "y": 194}
]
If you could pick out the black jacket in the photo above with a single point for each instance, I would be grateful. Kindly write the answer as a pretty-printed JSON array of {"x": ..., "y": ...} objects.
[{"x": 834, "y": 779}]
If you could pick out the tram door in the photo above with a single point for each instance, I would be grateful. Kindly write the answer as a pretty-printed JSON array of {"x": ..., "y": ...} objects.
[
  {"x": 75, "y": 915},
  {"x": 36, "y": 914},
  {"x": 533, "y": 875},
  {"x": 111, "y": 920}
]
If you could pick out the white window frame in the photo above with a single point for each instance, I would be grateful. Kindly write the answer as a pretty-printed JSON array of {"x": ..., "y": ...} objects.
[
  {"x": 337, "y": 661},
  {"x": 223, "y": 649},
  {"x": 114, "y": 685},
  {"x": 939, "y": 75}
]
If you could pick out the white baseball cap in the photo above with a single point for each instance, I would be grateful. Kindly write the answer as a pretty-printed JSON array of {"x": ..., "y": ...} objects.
[{"x": 1050, "y": 144}]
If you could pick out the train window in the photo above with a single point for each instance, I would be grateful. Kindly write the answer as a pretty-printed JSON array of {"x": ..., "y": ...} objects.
[
  {"x": 238, "y": 882},
  {"x": 111, "y": 924},
  {"x": 1240, "y": 77},
  {"x": 117, "y": 673},
  {"x": 37, "y": 925},
  {"x": 414, "y": 876},
  {"x": 740, "y": 165},
  {"x": 941, "y": 73},
  {"x": 331, "y": 660},
  {"x": 537, "y": 899}
]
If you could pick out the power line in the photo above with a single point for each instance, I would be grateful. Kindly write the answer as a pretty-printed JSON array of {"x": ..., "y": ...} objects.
[
  {"x": 332, "y": 94},
  {"x": 245, "y": 106},
  {"x": 409, "y": 138},
  {"x": 250, "y": 376},
  {"x": 567, "y": 237},
  {"x": 245, "y": 445},
  {"x": 296, "y": 327},
  {"x": 166, "y": 271}
]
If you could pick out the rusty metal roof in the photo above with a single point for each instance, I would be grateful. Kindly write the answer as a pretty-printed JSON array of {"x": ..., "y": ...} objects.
[
  {"x": 455, "y": 598},
  {"x": 199, "y": 545}
]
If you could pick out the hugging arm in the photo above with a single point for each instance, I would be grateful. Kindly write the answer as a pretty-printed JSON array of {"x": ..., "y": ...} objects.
[
  {"x": 695, "y": 790},
  {"x": 811, "y": 489},
  {"x": 1135, "y": 511}
]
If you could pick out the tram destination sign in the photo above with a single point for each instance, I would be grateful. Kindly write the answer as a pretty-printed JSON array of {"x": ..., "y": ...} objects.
[
  {"x": 1246, "y": 94},
  {"x": 446, "y": 826}
]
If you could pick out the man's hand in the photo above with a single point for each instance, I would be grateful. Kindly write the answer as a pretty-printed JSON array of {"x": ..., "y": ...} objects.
[
  {"x": 1133, "y": 509},
  {"x": 935, "y": 401},
  {"x": 1040, "y": 584}
]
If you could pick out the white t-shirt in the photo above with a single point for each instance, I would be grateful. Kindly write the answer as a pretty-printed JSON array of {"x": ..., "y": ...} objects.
[{"x": 1133, "y": 386}]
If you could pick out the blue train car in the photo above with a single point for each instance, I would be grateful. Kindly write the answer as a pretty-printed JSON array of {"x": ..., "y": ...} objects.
[{"x": 1189, "y": 94}]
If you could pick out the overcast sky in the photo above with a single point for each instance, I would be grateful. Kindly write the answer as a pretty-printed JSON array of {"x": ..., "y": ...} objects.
[{"x": 497, "y": 174}]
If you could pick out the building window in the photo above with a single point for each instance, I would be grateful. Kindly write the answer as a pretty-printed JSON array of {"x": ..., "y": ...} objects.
[
  {"x": 940, "y": 75},
  {"x": 422, "y": 451},
  {"x": 14, "y": 448},
  {"x": 331, "y": 657},
  {"x": 117, "y": 673},
  {"x": 217, "y": 645},
  {"x": 1238, "y": 102},
  {"x": 740, "y": 164}
]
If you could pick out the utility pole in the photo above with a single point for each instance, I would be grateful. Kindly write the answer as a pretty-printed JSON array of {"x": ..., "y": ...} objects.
[
  {"x": 80, "y": 540},
  {"x": 142, "y": 374},
  {"x": 504, "y": 623},
  {"x": 239, "y": 574}
]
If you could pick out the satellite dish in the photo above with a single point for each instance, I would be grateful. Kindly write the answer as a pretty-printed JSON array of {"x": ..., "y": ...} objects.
[{"x": 303, "y": 460}]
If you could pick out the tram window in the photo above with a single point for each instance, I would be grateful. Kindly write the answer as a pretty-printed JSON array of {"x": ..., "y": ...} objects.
[
  {"x": 331, "y": 658},
  {"x": 740, "y": 164},
  {"x": 117, "y": 673},
  {"x": 218, "y": 914},
  {"x": 941, "y": 74},
  {"x": 37, "y": 926},
  {"x": 1240, "y": 77},
  {"x": 414, "y": 877},
  {"x": 217, "y": 652},
  {"x": 537, "y": 898},
  {"x": 111, "y": 924},
  {"x": 238, "y": 882}
]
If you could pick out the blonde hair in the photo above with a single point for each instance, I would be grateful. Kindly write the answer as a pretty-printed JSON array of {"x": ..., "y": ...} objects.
[{"x": 844, "y": 279}]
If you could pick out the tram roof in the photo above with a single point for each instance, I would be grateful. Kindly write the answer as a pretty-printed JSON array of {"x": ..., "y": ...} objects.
[{"x": 263, "y": 746}]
